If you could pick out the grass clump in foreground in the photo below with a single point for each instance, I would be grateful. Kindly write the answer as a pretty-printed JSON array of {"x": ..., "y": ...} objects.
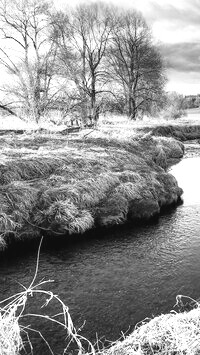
[
  {"x": 170, "y": 334},
  {"x": 65, "y": 186},
  {"x": 14, "y": 338},
  {"x": 167, "y": 334}
]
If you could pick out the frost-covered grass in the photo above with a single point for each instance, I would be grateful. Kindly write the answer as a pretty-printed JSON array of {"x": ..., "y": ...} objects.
[
  {"x": 168, "y": 334},
  {"x": 61, "y": 185},
  {"x": 184, "y": 128}
]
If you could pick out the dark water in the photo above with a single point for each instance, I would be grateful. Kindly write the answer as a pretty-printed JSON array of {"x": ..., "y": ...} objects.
[{"x": 114, "y": 281}]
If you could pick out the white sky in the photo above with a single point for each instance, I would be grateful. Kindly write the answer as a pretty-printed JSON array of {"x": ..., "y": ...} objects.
[{"x": 176, "y": 25}]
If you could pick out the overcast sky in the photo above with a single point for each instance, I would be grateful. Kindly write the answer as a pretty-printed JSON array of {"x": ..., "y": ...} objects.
[{"x": 176, "y": 25}]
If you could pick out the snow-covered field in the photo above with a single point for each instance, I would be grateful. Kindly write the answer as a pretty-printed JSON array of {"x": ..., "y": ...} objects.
[
  {"x": 193, "y": 114},
  {"x": 15, "y": 123},
  {"x": 12, "y": 122}
]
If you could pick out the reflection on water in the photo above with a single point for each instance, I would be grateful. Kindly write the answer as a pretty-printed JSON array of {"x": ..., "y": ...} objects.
[
  {"x": 187, "y": 172},
  {"x": 117, "y": 279}
]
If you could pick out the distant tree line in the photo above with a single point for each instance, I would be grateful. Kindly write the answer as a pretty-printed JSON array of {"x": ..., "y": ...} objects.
[
  {"x": 191, "y": 101},
  {"x": 92, "y": 58},
  {"x": 175, "y": 104}
]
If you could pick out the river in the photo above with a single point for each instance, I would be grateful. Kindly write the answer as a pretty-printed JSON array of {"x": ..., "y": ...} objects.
[{"x": 112, "y": 281}]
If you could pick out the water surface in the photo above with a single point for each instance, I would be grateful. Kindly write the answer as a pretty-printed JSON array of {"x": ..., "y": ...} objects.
[{"x": 114, "y": 280}]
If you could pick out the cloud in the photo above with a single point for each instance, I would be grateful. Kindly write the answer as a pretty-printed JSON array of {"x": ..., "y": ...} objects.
[
  {"x": 183, "y": 67},
  {"x": 173, "y": 22},
  {"x": 188, "y": 13},
  {"x": 176, "y": 24},
  {"x": 184, "y": 83},
  {"x": 182, "y": 57}
]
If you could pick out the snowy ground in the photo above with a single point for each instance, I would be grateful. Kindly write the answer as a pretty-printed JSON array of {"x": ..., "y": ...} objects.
[{"x": 12, "y": 122}]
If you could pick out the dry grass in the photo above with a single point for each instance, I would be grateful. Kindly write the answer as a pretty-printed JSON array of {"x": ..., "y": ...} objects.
[
  {"x": 55, "y": 184},
  {"x": 10, "y": 338},
  {"x": 169, "y": 334},
  {"x": 14, "y": 337},
  {"x": 179, "y": 130}
]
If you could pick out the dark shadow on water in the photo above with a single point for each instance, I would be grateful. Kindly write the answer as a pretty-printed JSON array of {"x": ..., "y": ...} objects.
[
  {"x": 110, "y": 278},
  {"x": 20, "y": 247}
]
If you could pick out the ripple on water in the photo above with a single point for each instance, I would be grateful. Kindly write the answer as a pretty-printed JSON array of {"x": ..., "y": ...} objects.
[{"x": 117, "y": 280}]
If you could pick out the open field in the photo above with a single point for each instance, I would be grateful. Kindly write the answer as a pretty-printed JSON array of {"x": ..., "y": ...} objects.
[{"x": 184, "y": 128}]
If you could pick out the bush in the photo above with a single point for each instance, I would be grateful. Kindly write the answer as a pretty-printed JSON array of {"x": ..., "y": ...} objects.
[{"x": 174, "y": 106}]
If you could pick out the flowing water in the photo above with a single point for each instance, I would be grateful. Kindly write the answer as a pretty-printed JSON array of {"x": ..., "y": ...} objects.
[{"x": 114, "y": 280}]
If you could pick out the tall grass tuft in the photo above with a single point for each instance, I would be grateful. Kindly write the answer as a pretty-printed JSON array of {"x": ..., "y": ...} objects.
[
  {"x": 173, "y": 333},
  {"x": 56, "y": 185},
  {"x": 14, "y": 337},
  {"x": 10, "y": 337}
]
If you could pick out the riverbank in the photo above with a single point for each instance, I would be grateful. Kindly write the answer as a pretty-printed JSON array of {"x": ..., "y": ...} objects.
[
  {"x": 53, "y": 163},
  {"x": 182, "y": 132},
  {"x": 52, "y": 184},
  {"x": 173, "y": 333},
  {"x": 186, "y": 128}
]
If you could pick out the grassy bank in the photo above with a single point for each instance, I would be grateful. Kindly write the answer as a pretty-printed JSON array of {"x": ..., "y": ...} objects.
[
  {"x": 182, "y": 132},
  {"x": 54, "y": 184},
  {"x": 169, "y": 334},
  {"x": 175, "y": 333},
  {"x": 186, "y": 128},
  {"x": 60, "y": 185}
]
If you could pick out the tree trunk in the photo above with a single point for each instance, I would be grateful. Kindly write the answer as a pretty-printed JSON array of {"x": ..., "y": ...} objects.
[
  {"x": 93, "y": 99},
  {"x": 84, "y": 112},
  {"x": 132, "y": 110}
]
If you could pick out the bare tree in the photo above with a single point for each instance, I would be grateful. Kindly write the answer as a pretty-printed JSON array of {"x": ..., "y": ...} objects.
[
  {"x": 28, "y": 53},
  {"x": 135, "y": 63},
  {"x": 83, "y": 36},
  {"x": 76, "y": 57}
]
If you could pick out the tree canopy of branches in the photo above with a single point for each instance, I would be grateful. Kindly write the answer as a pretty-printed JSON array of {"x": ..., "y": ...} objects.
[
  {"x": 135, "y": 62},
  {"x": 82, "y": 37},
  {"x": 27, "y": 53},
  {"x": 77, "y": 59}
]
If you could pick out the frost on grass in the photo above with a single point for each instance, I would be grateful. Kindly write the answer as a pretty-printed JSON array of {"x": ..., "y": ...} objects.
[
  {"x": 10, "y": 338},
  {"x": 169, "y": 334},
  {"x": 70, "y": 186}
]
